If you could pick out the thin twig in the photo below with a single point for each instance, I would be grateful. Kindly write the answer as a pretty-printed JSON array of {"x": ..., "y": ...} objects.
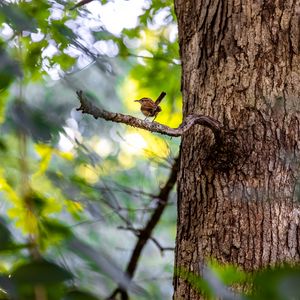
[
  {"x": 88, "y": 108},
  {"x": 162, "y": 58},
  {"x": 80, "y": 3},
  {"x": 137, "y": 233},
  {"x": 161, "y": 248}
]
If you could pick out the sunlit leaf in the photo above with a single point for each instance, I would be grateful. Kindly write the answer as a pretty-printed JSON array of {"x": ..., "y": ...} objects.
[
  {"x": 65, "y": 155},
  {"x": 45, "y": 152},
  {"x": 25, "y": 218},
  {"x": 74, "y": 208},
  {"x": 65, "y": 61},
  {"x": 32, "y": 59},
  {"x": 8, "y": 189}
]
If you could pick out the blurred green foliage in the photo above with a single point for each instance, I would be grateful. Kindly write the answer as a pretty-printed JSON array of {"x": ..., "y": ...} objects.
[
  {"x": 231, "y": 283},
  {"x": 68, "y": 182}
]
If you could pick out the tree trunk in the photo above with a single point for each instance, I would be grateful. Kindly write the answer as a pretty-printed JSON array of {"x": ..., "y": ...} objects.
[{"x": 238, "y": 199}]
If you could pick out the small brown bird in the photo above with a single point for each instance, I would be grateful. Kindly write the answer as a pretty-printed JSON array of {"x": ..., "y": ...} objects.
[{"x": 150, "y": 108}]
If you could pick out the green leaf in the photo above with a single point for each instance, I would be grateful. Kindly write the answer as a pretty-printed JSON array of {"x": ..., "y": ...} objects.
[
  {"x": 34, "y": 122},
  {"x": 18, "y": 18},
  {"x": 197, "y": 282},
  {"x": 9, "y": 69},
  {"x": 228, "y": 274},
  {"x": 64, "y": 60},
  {"x": 32, "y": 61},
  {"x": 63, "y": 35},
  {"x": 6, "y": 240},
  {"x": 79, "y": 295},
  {"x": 277, "y": 284},
  {"x": 40, "y": 272},
  {"x": 36, "y": 201},
  {"x": 54, "y": 228},
  {"x": 3, "y": 145},
  {"x": 5, "y": 235},
  {"x": 39, "y": 10}
]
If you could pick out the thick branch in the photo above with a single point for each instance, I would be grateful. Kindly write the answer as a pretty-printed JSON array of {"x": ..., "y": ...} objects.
[
  {"x": 145, "y": 234},
  {"x": 88, "y": 108}
]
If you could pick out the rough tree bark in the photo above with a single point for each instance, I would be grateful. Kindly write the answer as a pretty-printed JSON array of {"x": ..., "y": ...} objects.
[{"x": 238, "y": 200}]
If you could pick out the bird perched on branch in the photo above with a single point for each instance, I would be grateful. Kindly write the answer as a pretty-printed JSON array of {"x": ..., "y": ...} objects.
[{"x": 150, "y": 108}]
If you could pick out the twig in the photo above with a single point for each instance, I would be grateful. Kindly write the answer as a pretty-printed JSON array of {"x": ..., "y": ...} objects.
[
  {"x": 145, "y": 233},
  {"x": 88, "y": 108},
  {"x": 137, "y": 233},
  {"x": 162, "y": 58},
  {"x": 161, "y": 248},
  {"x": 81, "y": 3}
]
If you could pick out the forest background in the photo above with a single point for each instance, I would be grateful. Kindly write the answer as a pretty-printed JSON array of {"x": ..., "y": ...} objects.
[
  {"x": 74, "y": 189},
  {"x": 76, "y": 192}
]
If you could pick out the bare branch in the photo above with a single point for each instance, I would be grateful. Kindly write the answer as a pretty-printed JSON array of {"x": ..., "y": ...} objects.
[
  {"x": 145, "y": 234},
  {"x": 161, "y": 248},
  {"x": 157, "y": 57},
  {"x": 81, "y": 3},
  {"x": 137, "y": 233},
  {"x": 88, "y": 108}
]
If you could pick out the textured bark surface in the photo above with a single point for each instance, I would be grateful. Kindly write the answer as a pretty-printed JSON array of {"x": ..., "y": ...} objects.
[{"x": 238, "y": 201}]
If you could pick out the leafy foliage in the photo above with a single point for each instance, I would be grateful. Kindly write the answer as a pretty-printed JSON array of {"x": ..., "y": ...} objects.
[
  {"x": 67, "y": 182},
  {"x": 272, "y": 283}
]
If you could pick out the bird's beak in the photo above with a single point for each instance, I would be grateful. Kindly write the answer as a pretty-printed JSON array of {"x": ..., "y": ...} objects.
[{"x": 136, "y": 101}]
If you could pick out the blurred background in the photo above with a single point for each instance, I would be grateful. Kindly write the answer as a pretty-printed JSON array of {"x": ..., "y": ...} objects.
[{"x": 74, "y": 191}]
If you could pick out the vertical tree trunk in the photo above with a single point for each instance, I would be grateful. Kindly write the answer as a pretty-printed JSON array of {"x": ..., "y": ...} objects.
[{"x": 238, "y": 200}]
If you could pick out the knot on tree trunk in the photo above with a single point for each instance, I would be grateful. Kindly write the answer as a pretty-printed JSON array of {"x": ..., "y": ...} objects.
[{"x": 229, "y": 151}]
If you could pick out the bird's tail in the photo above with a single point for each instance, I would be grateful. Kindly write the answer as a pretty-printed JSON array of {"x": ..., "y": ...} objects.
[{"x": 160, "y": 97}]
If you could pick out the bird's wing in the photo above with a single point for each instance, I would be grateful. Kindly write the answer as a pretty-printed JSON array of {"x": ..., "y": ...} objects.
[{"x": 148, "y": 105}]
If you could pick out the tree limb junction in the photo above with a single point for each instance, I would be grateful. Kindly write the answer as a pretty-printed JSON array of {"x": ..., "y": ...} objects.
[{"x": 89, "y": 108}]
